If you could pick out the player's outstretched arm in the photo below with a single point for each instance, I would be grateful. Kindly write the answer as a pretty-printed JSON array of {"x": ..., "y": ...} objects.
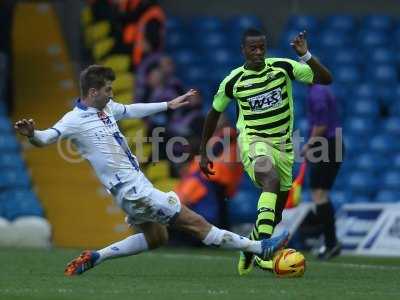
[
  {"x": 36, "y": 137},
  {"x": 141, "y": 110},
  {"x": 208, "y": 130},
  {"x": 321, "y": 73}
]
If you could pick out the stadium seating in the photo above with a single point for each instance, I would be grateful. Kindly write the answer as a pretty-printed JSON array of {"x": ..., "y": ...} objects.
[
  {"x": 5, "y": 125},
  {"x": 391, "y": 180},
  {"x": 363, "y": 90},
  {"x": 205, "y": 24},
  {"x": 371, "y": 162},
  {"x": 371, "y": 39},
  {"x": 96, "y": 32},
  {"x": 303, "y": 22},
  {"x": 386, "y": 93},
  {"x": 382, "y": 56},
  {"x": 384, "y": 144},
  {"x": 118, "y": 62},
  {"x": 347, "y": 74},
  {"x": 355, "y": 144},
  {"x": 384, "y": 74},
  {"x": 359, "y": 126},
  {"x": 396, "y": 161},
  {"x": 340, "y": 23},
  {"x": 102, "y": 48},
  {"x": 237, "y": 24},
  {"x": 214, "y": 40},
  {"x": 377, "y": 22},
  {"x": 11, "y": 161},
  {"x": 21, "y": 203},
  {"x": 361, "y": 198},
  {"x": 365, "y": 108},
  {"x": 363, "y": 183},
  {"x": 333, "y": 39},
  {"x": 340, "y": 197},
  {"x": 176, "y": 40},
  {"x": 16, "y": 196},
  {"x": 392, "y": 126},
  {"x": 387, "y": 196},
  {"x": 17, "y": 199},
  {"x": 346, "y": 56}
]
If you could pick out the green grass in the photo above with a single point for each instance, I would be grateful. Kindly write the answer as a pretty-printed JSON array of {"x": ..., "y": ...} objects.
[{"x": 190, "y": 274}]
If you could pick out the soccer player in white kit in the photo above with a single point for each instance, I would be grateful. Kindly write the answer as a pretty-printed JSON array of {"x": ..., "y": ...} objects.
[{"x": 92, "y": 127}]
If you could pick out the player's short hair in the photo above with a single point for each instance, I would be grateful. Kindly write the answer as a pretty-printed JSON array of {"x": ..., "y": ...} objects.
[
  {"x": 251, "y": 32},
  {"x": 95, "y": 76}
]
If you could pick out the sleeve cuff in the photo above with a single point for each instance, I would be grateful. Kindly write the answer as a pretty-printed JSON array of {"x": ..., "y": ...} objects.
[{"x": 58, "y": 131}]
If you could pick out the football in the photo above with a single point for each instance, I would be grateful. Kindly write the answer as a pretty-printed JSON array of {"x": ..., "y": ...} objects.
[{"x": 289, "y": 263}]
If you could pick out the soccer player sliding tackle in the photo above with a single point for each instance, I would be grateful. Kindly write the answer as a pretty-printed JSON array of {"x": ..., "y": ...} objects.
[{"x": 92, "y": 126}]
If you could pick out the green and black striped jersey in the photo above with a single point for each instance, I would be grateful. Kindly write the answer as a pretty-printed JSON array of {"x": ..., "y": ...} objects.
[{"x": 264, "y": 99}]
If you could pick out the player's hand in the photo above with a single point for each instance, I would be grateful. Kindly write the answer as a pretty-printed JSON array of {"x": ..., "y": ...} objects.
[
  {"x": 206, "y": 166},
  {"x": 299, "y": 43},
  {"x": 181, "y": 100},
  {"x": 25, "y": 127}
]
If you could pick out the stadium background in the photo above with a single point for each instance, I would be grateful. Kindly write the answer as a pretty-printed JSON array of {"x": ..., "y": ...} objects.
[{"x": 52, "y": 42}]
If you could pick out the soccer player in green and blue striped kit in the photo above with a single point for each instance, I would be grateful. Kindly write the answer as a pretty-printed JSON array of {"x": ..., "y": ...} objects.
[{"x": 262, "y": 90}]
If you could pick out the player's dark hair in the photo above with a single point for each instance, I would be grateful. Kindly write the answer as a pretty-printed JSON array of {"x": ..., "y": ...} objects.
[
  {"x": 95, "y": 76},
  {"x": 251, "y": 32}
]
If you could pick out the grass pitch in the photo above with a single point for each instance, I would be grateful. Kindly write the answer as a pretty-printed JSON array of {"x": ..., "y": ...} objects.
[{"x": 191, "y": 274}]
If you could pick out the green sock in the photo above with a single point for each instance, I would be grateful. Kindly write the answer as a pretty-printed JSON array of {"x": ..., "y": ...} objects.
[{"x": 266, "y": 215}]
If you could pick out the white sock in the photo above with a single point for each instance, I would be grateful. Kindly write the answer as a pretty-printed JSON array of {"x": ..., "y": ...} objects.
[
  {"x": 133, "y": 244},
  {"x": 229, "y": 240}
]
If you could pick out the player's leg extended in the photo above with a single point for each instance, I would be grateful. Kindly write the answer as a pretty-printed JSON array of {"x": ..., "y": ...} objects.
[
  {"x": 190, "y": 222},
  {"x": 153, "y": 235},
  {"x": 143, "y": 212}
]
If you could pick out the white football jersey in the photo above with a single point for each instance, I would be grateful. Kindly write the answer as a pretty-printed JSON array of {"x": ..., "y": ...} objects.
[{"x": 98, "y": 139}]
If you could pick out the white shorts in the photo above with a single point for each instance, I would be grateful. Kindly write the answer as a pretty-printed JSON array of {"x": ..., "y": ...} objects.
[{"x": 153, "y": 206}]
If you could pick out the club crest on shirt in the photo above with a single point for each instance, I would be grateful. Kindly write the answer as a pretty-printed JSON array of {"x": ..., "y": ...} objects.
[
  {"x": 104, "y": 118},
  {"x": 267, "y": 100}
]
